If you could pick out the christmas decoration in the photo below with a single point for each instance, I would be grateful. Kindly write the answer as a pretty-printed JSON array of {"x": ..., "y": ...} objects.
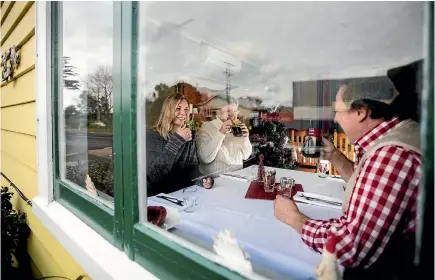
[{"x": 270, "y": 139}]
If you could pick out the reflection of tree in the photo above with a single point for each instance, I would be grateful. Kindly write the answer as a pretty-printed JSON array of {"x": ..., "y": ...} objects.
[
  {"x": 71, "y": 112},
  {"x": 73, "y": 117},
  {"x": 96, "y": 99},
  {"x": 154, "y": 106},
  {"x": 69, "y": 72},
  {"x": 162, "y": 91}
]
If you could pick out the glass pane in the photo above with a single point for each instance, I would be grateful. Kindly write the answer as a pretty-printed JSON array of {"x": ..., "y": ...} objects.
[
  {"x": 244, "y": 92},
  {"x": 85, "y": 127}
]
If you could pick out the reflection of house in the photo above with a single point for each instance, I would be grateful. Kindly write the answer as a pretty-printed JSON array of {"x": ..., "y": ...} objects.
[
  {"x": 309, "y": 99},
  {"x": 313, "y": 100},
  {"x": 209, "y": 102},
  {"x": 208, "y": 109}
]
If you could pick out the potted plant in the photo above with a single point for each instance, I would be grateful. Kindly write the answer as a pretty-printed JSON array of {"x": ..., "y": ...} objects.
[{"x": 15, "y": 233}]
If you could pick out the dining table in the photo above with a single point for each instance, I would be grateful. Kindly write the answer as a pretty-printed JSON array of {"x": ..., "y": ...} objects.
[{"x": 275, "y": 249}]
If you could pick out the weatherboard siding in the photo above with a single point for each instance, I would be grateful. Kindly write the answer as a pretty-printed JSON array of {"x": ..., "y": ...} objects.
[{"x": 18, "y": 138}]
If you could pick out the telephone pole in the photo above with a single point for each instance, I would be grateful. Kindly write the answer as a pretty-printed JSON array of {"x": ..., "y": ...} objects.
[{"x": 228, "y": 75}]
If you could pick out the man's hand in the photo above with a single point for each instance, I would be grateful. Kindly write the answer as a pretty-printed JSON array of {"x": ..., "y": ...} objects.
[
  {"x": 328, "y": 149},
  {"x": 343, "y": 165},
  {"x": 184, "y": 132},
  {"x": 287, "y": 212},
  {"x": 226, "y": 127},
  {"x": 245, "y": 131}
]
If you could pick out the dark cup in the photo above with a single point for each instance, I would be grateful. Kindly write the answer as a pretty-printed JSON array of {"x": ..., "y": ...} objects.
[{"x": 237, "y": 131}]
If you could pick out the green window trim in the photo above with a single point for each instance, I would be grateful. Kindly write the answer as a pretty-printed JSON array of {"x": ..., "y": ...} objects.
[
  {"x": 91, "y": 211},
  {"x": 168, "y": 259},
  {"x": 128, "y": 54},
  {"x": 117, "y": 125}
]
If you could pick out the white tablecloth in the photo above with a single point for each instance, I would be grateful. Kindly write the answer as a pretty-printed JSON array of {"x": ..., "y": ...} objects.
[{"x": 268, "y": 242}]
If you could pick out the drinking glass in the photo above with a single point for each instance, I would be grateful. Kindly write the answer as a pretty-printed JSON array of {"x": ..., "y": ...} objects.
[
  {"x": 286, "y": 186},
  {"x": 191, "y": 204},
  {"x": 190, "y": 189},
  {"x": 269, "y": 181},
  {"x": 323, "y": 168},
  {"x": 253, "y": 172}
]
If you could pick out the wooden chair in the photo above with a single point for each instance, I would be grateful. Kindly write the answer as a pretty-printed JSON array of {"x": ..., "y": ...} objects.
[
  {"x": 297, "y": 139},
  {"x": 341, "y": 142}
]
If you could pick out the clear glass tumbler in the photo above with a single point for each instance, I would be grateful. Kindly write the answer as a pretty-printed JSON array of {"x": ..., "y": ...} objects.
[
  {"x": 286, "y": 186},
  {"x": 269, "y": 181},
  {"x": 323, "y": 167}
]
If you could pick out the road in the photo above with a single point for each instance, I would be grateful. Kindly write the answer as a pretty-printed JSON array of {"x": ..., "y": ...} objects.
[
  {"x": 82, "y": 146},
  {"x": 77, "y": 140}
]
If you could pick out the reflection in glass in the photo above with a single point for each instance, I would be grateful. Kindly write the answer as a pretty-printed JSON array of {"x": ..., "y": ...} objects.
[
  {"x": 274, "y": 68},
  {"x": 171, "y": 154},
  {"x": 86, "y": 127}
]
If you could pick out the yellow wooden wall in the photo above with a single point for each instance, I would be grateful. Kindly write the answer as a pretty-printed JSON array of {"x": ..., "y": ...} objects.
[{"x": 18, "y": 137}]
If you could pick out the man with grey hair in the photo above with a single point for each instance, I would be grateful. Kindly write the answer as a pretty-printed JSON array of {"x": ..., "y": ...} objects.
[
  {"x": 219, "y": 150},
  {"x": 376, "y": 231}
]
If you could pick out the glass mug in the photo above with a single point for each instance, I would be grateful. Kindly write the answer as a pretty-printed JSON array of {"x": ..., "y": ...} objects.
[
  {"x": 312, "y": 143},
  {"x": 237, "y": 131},
  {"x": 236, "y": 128}
]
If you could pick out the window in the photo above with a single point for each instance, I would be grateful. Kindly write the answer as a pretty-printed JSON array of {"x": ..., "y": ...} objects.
[
  {"x": 276, "y": 68},
  {"x": 84, "y": 104},
  {"x": 88, "y": 97},
  {"x": 272, "y": 68}
]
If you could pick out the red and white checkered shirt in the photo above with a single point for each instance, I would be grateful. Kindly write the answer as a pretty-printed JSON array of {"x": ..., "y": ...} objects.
[{"x": 384, "y": 195}]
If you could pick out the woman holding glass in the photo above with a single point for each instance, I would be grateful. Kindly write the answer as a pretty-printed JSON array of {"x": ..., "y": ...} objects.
[{"x": 172, "y": 161}]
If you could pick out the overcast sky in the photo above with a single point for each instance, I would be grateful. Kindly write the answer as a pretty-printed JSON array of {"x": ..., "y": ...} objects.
[
  {"x": 87, "y": 38},
  {"x": 270, "y": 44}
]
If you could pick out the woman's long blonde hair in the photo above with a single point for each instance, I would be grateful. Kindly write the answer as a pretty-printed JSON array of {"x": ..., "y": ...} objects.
[{"x": 164, "y": 122}]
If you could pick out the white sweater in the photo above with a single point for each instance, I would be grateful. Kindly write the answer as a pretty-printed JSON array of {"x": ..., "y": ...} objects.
[{"x": 220, "y": 153}]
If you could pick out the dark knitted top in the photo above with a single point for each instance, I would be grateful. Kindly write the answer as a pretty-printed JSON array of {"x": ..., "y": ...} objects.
[{"x": 171, "y": 164}]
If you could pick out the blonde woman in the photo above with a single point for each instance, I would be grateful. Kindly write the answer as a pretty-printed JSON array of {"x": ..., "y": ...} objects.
[{"x": 172, "y": 160}]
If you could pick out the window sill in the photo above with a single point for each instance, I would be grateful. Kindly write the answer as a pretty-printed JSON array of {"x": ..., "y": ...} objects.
[{"x": 99, "y": 258}]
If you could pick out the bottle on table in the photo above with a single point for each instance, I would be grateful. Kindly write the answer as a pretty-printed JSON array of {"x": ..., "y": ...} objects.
[{"x": 260, "y": 168}]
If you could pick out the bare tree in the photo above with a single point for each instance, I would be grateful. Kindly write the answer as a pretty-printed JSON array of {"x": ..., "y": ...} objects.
[{"x": 97, "y": 96}]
